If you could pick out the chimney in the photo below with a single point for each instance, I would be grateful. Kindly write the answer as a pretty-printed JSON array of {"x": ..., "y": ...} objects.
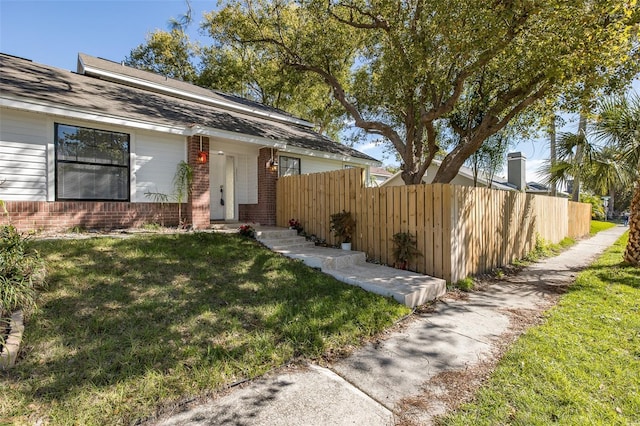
[{"x": 516, "y": 170}]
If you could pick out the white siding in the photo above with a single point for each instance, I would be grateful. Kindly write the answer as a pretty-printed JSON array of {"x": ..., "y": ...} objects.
[
  {"x": 310, "y": 165},
  {"x": 246, "y": 163},
  {"x": 154, "y": 163},
  {"x": 23, "y": 156}
]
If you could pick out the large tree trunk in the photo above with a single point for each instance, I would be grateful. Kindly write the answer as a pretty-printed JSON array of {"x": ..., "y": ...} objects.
[
  {"x": 632, "y": 252},
  {"x": 612, "y": 202},
  {"x": 582, "y": 131}
]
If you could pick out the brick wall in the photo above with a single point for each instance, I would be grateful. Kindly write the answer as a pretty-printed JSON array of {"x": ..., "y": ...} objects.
[
  {"x": 198, "y": 208},
  {"x": 264, "y": 212},
  {"x": 62, "y": 215}
]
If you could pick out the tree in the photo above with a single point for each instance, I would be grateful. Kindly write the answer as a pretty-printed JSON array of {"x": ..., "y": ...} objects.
[
  {"x": 574, "y": 154},
  {"x": 489, "y": 159},
  {"x": 166, "y": 53},
  {"x": 618, "y": 124},
  {"x": 401, "y": 68},
  {"x": 238, "y": 70}
]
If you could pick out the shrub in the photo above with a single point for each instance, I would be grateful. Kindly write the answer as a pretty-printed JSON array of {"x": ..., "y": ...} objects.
[
  {"x": 404, "y": 249},
  {"x": 247, "y": 231},
  {"x": 597, "y": 205},
  {"x": 465, "y": 284},
  {"x": 343, "y": 225},
  {"x": 21, "y": 272}
]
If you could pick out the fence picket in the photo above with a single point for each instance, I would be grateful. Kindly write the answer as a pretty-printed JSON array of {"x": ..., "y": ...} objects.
[{"x": 460, "y": 231}]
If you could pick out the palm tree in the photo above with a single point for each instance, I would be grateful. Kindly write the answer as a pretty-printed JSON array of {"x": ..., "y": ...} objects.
[
  {"x": 605, "y": 172},
  {"x": 574, "y": 153},
  {"x": 618, "y": 124}
]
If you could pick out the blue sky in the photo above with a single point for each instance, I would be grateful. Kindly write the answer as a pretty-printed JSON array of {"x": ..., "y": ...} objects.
[{"x": 53, "y": 33}]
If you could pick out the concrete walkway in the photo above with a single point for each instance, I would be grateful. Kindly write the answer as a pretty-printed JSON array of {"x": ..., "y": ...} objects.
[
  {"x": 350, "y": 267},
  {"x": 372, "y": 386}
]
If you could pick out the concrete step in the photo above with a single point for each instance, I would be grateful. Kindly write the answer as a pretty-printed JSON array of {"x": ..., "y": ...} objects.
[
  {"x": 406, "y": 287},
  {"x": 409, "y": 288},
  {"x": 271, "y": 234},
  {"x": 291, "y": 247},
  {"x": 283, "y": 241},
  {"x": 325, "y": 258}
]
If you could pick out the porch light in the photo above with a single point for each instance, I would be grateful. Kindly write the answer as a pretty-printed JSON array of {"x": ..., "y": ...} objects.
[
  {"x": 272, "y": 164},
  {"x": 203, "y": 156}
]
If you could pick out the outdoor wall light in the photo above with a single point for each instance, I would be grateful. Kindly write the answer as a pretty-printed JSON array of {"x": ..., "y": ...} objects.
[
  {"x": 203, "y": 156},
  {"x": 272, "y": 164}
]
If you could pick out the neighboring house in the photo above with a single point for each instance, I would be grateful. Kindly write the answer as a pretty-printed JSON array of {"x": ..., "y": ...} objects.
[
  {"x": 378, "y": 175},
  {"x": 464, "y": 177},
  {"x": 515, "y": 180},
  {"x": 83, "y": 149}
]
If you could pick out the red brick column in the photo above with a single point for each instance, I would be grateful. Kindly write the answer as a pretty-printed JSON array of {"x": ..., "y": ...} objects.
[
  {"x": 264, "y": 212},
  {"x": 198, "y": 206}
]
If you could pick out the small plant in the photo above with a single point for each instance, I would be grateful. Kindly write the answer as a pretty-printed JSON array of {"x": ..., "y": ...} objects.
[
  {"x": 152, "y": 226},
  {"x": 294, "y": 224},
  {"x": 77, "y": 230},
  {"x": 343, "y": 225},
  {"x": 183, "y": 185},
  {"x": 247, "y": 231},
  {"x": 404, "y": 249},
  {"x": 465, "y": 284},
  {"x": 21, "y": 273},
  {"x": 160, "y": 198},
  {"x": 316, "y": 240}
]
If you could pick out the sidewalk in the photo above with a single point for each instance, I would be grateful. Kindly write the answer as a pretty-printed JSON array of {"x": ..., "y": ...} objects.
[{"x": 402, "y": 376}]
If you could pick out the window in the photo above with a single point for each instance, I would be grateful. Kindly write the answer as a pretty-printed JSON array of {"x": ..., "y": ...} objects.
[
  {"x": 289, "y": 166},
  {"x": 91, "y": 164}
]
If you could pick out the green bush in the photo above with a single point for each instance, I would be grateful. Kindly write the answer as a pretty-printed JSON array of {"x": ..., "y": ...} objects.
[
  {"x": 21, "y": 272},
  {"x": 597, "y": 205},
  {"x": 465, "y": 284}
]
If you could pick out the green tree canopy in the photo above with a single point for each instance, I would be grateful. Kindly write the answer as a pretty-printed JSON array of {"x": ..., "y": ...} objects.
[
  {"x": 169, "y": 53},
  {"x": 401, "y": 68},
  {"x": 241, "y": 70}
]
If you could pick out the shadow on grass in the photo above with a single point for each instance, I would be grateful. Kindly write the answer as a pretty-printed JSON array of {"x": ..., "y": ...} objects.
[{"x": 167, "y": 316}]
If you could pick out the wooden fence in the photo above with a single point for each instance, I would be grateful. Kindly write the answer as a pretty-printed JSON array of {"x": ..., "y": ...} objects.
[{"x": 460, "y": 230}]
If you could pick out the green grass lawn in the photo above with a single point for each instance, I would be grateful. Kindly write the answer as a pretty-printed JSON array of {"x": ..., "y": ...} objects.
[
  {"x": 581, "y": 367},
  {"x": 127, "y": 325},
  {"x": 597, "y": 226}
]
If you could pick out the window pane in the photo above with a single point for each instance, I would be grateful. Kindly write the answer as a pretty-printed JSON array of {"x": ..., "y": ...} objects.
[
  {"x": 86, "y": 163},
  {"x": 67, "y": 142},
  {"x": 85, "y": 181},
  {"x": 289, "y": 166}
]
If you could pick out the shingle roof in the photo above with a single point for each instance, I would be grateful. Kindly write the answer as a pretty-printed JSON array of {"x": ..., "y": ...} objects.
[
  {"x": 87, "y": 61},
  {"x": 20, "y": 78}
]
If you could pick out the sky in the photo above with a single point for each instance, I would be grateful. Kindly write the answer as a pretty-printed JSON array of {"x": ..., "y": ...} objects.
[{"x": 53, "y": 32}]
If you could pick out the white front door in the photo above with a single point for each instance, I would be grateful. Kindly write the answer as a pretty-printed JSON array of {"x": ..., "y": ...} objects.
[
  {"x": 230, "y": 185},
  {"x": 217, "y": 186},
  {"x": 222, "y": 186}
]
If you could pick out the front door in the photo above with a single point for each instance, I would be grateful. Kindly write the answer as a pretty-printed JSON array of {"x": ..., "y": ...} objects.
[{"x": 222, "y": 184}]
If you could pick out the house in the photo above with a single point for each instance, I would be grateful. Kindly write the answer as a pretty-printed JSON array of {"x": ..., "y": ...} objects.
[
  {"x": 90, "y": 148},
  {"x": 515, "y": 180},
  {"x": 378, "y": 175},
  {"x": 464, "y": 178}
]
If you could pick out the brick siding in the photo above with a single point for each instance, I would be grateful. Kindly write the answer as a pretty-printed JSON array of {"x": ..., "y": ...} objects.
[
  {"x": 264, "y": 212},
  {"x": 62, "y": 215},
  {"x": 198, "y": 207}
]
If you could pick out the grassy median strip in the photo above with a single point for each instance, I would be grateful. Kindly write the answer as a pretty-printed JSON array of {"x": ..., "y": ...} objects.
[
  {"x": 597, "y": 226},
  {"x": 579, "y": 367},
  {"x": 127, "y": 325}
]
